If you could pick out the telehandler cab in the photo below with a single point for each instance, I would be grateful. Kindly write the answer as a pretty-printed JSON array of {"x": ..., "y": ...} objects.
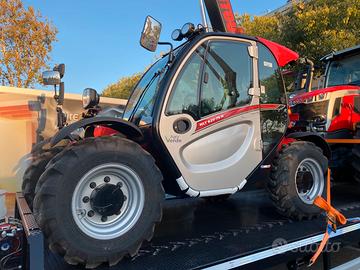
[{"x": 204, "y": 120}]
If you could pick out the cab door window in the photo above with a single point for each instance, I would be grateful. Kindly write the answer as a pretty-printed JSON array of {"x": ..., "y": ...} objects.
[
  {"x": 227, "y": 77},
  {"x": 143, "y": 114},
  {"x": 185, "y": 94},
  {"x": 270, "y": 78},
  {"x": 273, "y": 121}
]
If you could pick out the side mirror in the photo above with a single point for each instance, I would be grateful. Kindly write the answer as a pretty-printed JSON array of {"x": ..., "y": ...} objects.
[
  {"x": 150, "y": 34},
  {"x": 90, "y": 98},
  {"x": 61, "y": 69},
  {"x": 51, "y": 77}
]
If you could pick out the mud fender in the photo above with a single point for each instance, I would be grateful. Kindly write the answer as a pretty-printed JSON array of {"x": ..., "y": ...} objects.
[
  {"x": 314, "y": 138},
  {"x": 127, "y": 128}
]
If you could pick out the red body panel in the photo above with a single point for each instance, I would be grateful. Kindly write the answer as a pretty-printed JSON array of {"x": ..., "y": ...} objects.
[
  {"x": 228, "y": 16},
  {"x": 222, "y": 19},
  {"x": 282, "y": 54},
  {"x": 347, "y": 117},
  {"x": 293, "y": 116},
  {"x": 305, "y": 96},
  {"x": 101, "y": 131},
  {"x": 222, "y": 16}
]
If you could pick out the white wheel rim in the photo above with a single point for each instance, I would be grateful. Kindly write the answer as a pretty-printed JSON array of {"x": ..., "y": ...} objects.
[
  {"x": 131, "y": 209},
  {"x": 309, "y": 180}
]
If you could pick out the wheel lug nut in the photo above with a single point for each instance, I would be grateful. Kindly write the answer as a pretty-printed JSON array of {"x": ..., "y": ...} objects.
[
  {"x": 92, "y": 185},
  {"x": 86, "y": 199},
  {"x": 81, "y": 212},
  {"x": 125, "y": 198},
  {"x": 119, "y": 184},
  {"x": 103, "y": 218},
  {"x": 106, "y": 179},
  {"x": 91, "y": 213}
]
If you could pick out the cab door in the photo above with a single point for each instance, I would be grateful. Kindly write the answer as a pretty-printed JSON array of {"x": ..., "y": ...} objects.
[{"x": 210, "y": 121}]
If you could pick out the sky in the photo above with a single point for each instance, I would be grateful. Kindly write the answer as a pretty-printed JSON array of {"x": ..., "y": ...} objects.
[{"x": 99, "y": 40}]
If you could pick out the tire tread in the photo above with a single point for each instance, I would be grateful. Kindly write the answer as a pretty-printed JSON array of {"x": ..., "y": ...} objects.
[
  {"x": 46, "y": 192},
  {"x": 279, "y": 180}
]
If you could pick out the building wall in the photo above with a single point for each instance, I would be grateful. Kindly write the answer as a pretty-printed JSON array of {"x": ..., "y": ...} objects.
[
  {"x": 285, "y": 8},
  {"x": 26, "y": 117}
]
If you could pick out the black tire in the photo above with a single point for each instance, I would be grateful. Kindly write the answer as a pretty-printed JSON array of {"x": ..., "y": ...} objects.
[
  {"x": 282, "y": 185},
  {"x": 340, "y": 163},
  {"x": 217, "y": 199},
  {"x": 356, "y": 155},
  {"x": 44, "y": 146},
  {"x": 34, "y": 171},
  {"x": 53, "y": 200},
  {"x": 40, "y": 147}
]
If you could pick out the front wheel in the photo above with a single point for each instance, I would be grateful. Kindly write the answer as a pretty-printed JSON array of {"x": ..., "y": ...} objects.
[
  {"x": 99, "y": 200},
  {"x": 297, "y": 178}
]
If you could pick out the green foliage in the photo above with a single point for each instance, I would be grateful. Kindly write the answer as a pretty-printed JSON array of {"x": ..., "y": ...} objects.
[
  {"x": 313, "y": 29},
  {"x": 123, "y": 87},
  {"x": 266, "y": 27},
  {"x": 26, "y": 39}
]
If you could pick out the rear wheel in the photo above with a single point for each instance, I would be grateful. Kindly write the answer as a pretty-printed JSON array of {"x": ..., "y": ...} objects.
[
  {"x": 356, "y": 153},
  {"x": 297, "y": 178},
  {"x": 40, "y": 147},
  {"x": 99, "y": 200},
  {"x": 35, "y": 170}
]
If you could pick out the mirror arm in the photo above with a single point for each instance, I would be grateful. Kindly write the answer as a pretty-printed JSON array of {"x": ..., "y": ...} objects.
[
  {"x": 61, "y": 93},
  {"x": 171, "y": 52},
  {"x": 56, "y": 96}
]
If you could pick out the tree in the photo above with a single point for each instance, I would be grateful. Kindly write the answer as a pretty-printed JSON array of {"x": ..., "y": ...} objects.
[
  {"x": 264, "y": 26},
  {"x": 25, "y": 43},
  {"x": 313, "y": 29},
  {"x": 122, "y": 88}
]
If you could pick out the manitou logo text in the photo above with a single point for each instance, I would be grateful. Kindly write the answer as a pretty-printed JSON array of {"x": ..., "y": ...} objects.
[{"x": 173, "y": 139}]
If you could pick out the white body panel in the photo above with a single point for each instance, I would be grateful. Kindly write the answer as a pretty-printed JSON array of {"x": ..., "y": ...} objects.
[{"x": 220, "y": 150}]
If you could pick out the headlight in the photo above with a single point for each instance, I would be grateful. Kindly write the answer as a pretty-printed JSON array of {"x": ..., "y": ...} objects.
[
  {"x": 90, "y": 98},
  {"x": 187, "y": 29},
  {"x": 176, "y": 35}
]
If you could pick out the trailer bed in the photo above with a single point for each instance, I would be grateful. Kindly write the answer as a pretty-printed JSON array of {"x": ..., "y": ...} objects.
[{"x": 239, "y": 232}]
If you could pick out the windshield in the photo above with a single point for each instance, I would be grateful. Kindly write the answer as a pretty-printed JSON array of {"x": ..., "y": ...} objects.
[
  {"x": 150, "y": 78},
  {"x": 344, "y": 71}
]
